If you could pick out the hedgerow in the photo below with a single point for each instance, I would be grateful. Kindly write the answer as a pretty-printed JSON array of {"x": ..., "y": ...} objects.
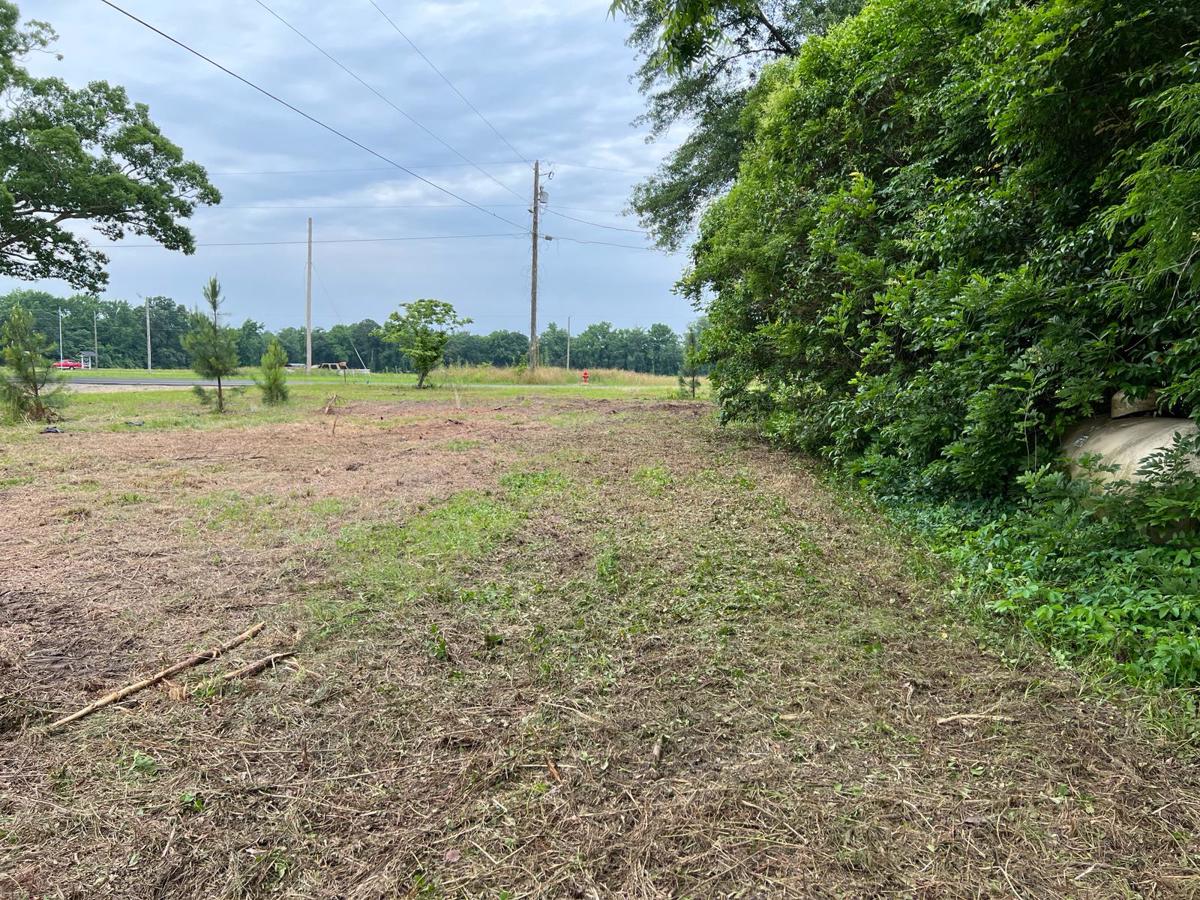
[{"x": 958, "y": 229}]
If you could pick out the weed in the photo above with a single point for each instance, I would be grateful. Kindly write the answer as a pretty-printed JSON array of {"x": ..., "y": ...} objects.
[
  {"x": 191, "y": 802},
  {"x": 436, "y": 645},
  {"x": 142, "y": 764}
]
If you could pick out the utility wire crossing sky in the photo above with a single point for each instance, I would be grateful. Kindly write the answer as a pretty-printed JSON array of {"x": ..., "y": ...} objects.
[{"x": 286, "y": 102}]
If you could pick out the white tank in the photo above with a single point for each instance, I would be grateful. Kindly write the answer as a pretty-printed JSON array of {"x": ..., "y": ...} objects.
[{"x": 1125, "y": 443}]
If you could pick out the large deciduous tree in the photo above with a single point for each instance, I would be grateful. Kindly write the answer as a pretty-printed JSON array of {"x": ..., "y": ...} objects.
[
  {"x": 85, "y": 154},
  {"x": 700, "y": 58},
  {"x": 421, "y": 329}
]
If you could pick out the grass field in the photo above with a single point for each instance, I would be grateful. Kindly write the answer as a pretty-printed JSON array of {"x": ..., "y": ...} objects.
[
  {"x": 547, "y": 642},
  {"x": 443, "y": 376}
]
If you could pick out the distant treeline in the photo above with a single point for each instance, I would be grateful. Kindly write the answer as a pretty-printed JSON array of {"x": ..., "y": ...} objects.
[{"x": 119, "y": 328}]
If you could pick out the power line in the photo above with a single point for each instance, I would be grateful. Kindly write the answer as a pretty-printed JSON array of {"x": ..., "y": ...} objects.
[
  {"x": 453, "y": 206},
  {"x": 555, "y": 237},
  {"x": 601, "y": 168},
  {"x": 337, "y": 62},
  {"x": 595, "y": 224},
  {"x": 499, "y": 162},
  {"x": 370, "y": 240},
  {"x": 451, "y": 84},
  {"x": 305, "y": 115}
]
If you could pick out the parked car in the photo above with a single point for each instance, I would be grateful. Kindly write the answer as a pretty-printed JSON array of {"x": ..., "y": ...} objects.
[{"x": 68, "y": 364}]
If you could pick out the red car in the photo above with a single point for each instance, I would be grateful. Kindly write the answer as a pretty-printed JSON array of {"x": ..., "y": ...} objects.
[{"x": 68, "y": 364}]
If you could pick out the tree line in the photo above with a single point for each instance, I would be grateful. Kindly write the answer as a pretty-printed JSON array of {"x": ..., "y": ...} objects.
[{"x": 118, "y": 329}]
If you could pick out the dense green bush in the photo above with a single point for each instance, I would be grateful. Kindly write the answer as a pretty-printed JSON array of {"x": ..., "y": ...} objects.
[
  {"x": 957, "y": 229},
  {"x": 1112, "y": 573}
]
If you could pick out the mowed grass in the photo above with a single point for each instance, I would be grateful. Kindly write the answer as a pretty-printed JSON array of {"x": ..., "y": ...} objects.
[
  {"x": 100, "y": 409},
  {"x": 443, "y": 375},
  {"x": 635, "y": 656}
]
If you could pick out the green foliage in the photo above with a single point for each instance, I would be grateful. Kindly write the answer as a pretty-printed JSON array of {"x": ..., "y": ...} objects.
[
  {"x": 31, "y": 388},
  {"x": 955, "y": 231},
  {"x": 699, "y": 60},
  {"x": 212, "y": 346},
  {"x": 421, "y": 331},
  {"x": 272, "y": 379},
  {"x": 82, "y": 155},
  {"x": 120, "y": 333},
  {"x": 1111, "y": 575}
]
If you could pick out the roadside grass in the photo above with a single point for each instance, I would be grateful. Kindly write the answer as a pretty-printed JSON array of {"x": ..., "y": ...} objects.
[
  {"x": 443, "y": 375},
  {"x": 177, "y": 408}
]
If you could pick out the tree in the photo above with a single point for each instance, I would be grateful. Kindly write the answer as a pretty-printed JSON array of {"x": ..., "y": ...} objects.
[
  {"x": 421, "y": 330},
  {"x": 272, "y": 380},
  {"x": 32, "y": 388},
  {"x": 252, "y": 342},
  {"x": 87, "y": 155},
  {"x": 212, "y": 347},
  {"x": 700, "y": 61}
]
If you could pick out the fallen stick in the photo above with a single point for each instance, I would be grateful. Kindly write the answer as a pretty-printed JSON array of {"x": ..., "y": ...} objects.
[
  {"x": 964, "y": 717},
  {"x": 257, "y": 666},
  {"x": 122, "y": 693}
]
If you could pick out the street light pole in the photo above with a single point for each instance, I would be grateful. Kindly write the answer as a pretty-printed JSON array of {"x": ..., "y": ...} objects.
[{"x": 60, "y": 342}]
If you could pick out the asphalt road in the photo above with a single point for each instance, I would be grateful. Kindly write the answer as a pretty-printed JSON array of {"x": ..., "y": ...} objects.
[{"x": 156, "y": 382}]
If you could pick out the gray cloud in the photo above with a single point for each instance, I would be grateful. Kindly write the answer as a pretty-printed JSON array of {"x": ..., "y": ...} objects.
[{"x": 552, "y": 76}]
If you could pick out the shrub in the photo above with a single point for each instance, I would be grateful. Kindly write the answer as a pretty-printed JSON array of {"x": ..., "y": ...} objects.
[
  {"x": 32, "y": 387},
  {"x": 272, "y": 379}
]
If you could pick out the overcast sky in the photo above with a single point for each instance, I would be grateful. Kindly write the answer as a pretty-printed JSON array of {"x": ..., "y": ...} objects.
[{"x": 552, "y": 76}]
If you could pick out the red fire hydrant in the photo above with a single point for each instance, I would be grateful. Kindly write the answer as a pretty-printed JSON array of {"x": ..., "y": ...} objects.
[{"x": 584, "y": 376}]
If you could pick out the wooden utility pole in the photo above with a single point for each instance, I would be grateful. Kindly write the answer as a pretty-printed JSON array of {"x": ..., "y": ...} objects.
[
  {"x": 308, "y": 304},
  {"x": 533, "y": 333}
]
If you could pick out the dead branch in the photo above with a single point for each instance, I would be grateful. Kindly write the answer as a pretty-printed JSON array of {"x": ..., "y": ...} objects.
[
  {"x": 129, "y": 689},
  {"x": 257, "y": 666},
  {"x": 966, "y": 717}
]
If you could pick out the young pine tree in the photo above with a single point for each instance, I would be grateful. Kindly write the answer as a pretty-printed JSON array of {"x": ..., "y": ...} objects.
[
  {"x": 212, "y": 347},
  {"x": 272, "y": 379},
  {"x": 31, "y": 388}
]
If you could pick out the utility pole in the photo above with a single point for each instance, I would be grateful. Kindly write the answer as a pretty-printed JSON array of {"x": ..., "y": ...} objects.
[
  {"x": 568, "y": 343},
  {"x": 60, "y": 346},
  {"x": 533, "y": 334},
  {"x": 95, "y": 340},
  {"x": 308, "y": 304},
  {"x": 149, "y": 363}
]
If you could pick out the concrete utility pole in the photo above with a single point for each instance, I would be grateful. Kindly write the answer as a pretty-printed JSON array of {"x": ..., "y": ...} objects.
[
  {"x": 149, "y": 364},
  {"x": 60, "y": 346},
  {"x": 568, "y": 343},
  {"x": 95, "y": 340},
  {"x": 533, "y": 333},
  {"x": 308, "y": 304}
]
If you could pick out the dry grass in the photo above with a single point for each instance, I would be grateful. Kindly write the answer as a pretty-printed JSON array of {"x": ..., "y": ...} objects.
[{"x": 558, "y": 648}]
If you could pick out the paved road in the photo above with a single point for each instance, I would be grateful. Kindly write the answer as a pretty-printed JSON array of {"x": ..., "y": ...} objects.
[{"x": 155, "y": 382}]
